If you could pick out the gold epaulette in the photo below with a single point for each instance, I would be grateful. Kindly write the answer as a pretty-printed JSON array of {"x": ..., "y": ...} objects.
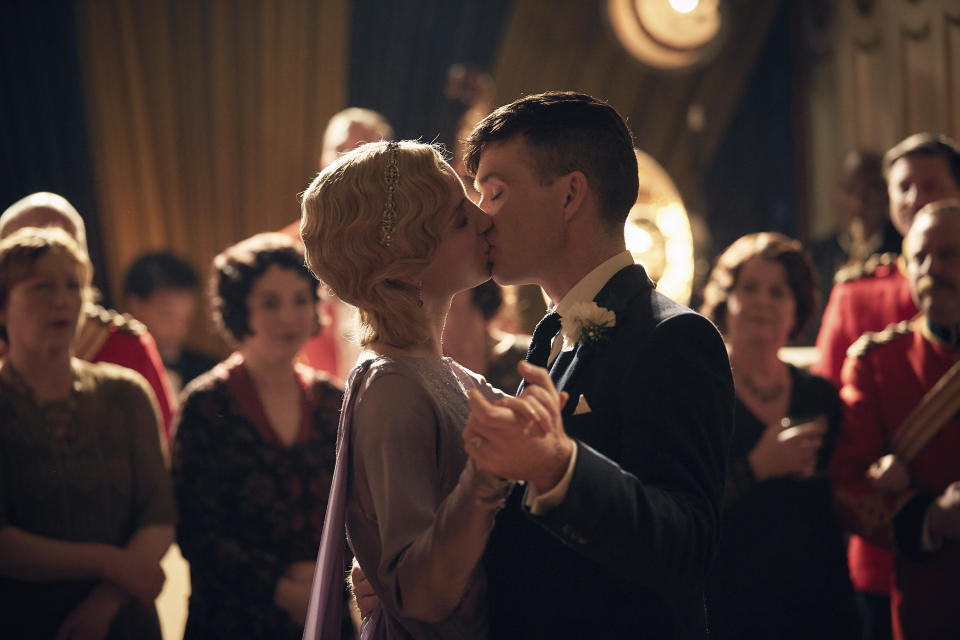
[
  {"x": 871, "y": 339},
  {"x": 122, "y": 321},
  {"x": 95, "y": 329},
  {"x": 864, "y": 269}
]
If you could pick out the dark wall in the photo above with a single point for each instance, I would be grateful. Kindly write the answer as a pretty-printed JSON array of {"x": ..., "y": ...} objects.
[{"x": 400, "y": 53}]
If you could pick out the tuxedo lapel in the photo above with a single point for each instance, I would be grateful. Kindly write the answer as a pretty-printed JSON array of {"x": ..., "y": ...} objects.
[{"x": 569, "y": 367}]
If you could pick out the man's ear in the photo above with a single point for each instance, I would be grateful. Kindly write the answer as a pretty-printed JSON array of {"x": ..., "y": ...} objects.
[{"x": 574, "y": 193}]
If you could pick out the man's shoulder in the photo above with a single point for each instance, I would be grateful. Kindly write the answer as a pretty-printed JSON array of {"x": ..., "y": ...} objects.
[
  {"x": 890, "y": 342},
  {"x": 101, "y": 326},
  {"x": 878, "y": 268},
  {"x": 112, "y": 320},
  {"x": 655, "y": 319}
]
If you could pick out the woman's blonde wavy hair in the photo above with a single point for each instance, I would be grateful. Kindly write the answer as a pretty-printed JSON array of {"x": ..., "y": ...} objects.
[{"x": 341, "y": 231}]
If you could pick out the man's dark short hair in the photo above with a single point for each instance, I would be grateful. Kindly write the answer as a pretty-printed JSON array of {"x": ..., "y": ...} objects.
[
  {"x": 568, "y": 132},
  {"x": 237, "y": 269},
  {"x": 160, "y": 270},
  {"x": 925, "y": 144}
]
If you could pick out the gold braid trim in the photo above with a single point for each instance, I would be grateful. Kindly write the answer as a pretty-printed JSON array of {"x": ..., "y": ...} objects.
[
  {"x": 870, "y": 339},
  {"x": 937, "y": 406},
  {"x": 864, "y": 269},
  {"x": 95, "y": 329}
]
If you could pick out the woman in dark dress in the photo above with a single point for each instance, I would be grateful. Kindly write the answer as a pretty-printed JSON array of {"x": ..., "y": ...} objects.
[
  {"x": 781, "y": 569},
  {"x": 254, "y": 451}
]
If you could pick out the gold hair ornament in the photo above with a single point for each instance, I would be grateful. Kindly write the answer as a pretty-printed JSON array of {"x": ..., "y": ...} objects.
[{"x": 391, "y": 176}]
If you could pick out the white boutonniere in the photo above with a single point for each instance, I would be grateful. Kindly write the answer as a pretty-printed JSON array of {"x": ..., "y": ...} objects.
[{"x": 585, "y": 323}]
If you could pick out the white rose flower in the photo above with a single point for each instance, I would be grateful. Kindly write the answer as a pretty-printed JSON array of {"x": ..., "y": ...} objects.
[{"x": 585, "y": 323}]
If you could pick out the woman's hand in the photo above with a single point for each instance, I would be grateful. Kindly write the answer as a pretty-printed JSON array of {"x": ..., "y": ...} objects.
[
  {"x": 293, "y": 596},
  {"x": 91, "y": 619},
  {"x": 521, "y": 438},
  {"x": 790, "y": 451},
  {"x": 301, "y": 571},
  {"x": 136, "y": 573}
]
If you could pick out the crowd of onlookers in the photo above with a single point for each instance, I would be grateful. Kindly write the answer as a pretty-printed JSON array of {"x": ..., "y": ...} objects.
[{"x": 841, "y": 499}]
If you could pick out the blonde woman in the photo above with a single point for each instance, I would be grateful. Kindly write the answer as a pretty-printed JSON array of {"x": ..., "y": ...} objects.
[{"x": 389, "y": 229}]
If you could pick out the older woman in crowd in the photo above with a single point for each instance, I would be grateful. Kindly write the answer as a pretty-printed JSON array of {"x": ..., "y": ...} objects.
[
  {"x": 86, "y": 511},
  {"x": 254, "y": 451},
  {"x": 780, "y": 570}
]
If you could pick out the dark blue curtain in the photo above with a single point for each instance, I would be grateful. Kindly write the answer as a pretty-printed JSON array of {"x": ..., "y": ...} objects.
[
  {"x": 400, "y": 52},
  {"x": 750, "y": 184},
  {"x": 43, "y": 133}
]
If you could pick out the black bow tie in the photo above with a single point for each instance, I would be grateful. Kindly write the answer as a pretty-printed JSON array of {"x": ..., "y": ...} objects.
[{"x": 542, "y": 340}]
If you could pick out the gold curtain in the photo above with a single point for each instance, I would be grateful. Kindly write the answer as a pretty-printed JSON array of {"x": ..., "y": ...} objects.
[{"x": 205, "y": 118}]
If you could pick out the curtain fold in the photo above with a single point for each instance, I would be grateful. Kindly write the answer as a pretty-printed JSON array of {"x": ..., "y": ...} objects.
[{"x": 205, "y": 117}]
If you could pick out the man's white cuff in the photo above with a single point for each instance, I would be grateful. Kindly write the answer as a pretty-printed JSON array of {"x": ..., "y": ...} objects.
[{"x": 540, "y": 504}]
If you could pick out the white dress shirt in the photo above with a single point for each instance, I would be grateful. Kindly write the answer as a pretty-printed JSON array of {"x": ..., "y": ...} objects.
[{"x": 584, "y": 291}]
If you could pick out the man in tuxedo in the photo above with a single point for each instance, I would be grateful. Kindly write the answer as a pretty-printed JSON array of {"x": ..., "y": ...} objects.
[{"x": 616, "y": 525}]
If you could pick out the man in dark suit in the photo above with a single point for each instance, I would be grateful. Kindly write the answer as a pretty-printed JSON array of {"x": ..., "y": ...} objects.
[{"x": 616, "y": 526}]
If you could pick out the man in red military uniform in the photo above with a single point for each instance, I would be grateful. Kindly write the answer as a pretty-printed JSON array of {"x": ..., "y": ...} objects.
[
  {"x": 921, "y": 169},
  {"x": 328, "y": 350},
  {"x": 912, "y": 504},
  {"x": 105, "y": 336}
]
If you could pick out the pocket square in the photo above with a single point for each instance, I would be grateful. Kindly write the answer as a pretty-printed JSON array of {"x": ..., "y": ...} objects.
[{"x": 582, "y": 406}]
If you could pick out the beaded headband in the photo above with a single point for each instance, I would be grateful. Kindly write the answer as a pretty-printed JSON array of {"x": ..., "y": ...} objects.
[{"x": 391, "y": 176}]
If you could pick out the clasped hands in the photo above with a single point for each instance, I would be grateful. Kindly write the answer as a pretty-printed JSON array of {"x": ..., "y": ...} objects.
[
  {"x": 788, "y": 450},
  {"x": 521, "y": 438},
  {"x": 126, "y": 573}
]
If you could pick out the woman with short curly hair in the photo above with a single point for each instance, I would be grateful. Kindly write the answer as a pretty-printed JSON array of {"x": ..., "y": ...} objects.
[
  {"x": 780, "y": 570},
  {"x": 254, "y": 451}
]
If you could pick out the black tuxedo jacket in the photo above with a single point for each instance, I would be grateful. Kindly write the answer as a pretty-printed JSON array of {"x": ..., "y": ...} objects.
[{"x": 626, "y": 553}]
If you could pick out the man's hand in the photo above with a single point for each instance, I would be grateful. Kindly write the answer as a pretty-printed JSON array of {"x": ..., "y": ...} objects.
[
  {"x": 134, "y": 572},
  {"x": 944, "y": 515},
  {"x": 784, "y": 452},
  {"x": 889, "y": 474},
  {"x": 363, "y": 594},
  {"x": 91, "y": 619},
  {"x": 521, "y": 438}
]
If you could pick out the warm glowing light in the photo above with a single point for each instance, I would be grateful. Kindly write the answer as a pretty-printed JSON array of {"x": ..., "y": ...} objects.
[
  {"x": 638, "y": 239},
  {"x": 684, "y": 6},
  {"x": 658, "y": 232}
]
